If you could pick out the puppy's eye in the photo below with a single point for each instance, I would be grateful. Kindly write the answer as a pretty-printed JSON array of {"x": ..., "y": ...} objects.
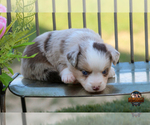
[
  {"x": 104, "y": 72},
  {"x": 85, "y": 73}
]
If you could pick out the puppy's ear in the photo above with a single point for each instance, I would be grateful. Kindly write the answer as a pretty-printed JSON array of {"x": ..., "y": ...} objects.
[
  {"x": 72, "y": 56},
  {"x": 115, "y": 54}
]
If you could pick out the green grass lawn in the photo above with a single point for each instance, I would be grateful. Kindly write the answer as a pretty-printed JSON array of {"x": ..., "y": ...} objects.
[{"x": 116, "y": 106}]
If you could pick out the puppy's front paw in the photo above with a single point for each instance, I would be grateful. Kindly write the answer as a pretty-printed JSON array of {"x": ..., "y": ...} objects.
[
  {"x": 111, "y": 73},
  {"x": 67, "y": 76}
]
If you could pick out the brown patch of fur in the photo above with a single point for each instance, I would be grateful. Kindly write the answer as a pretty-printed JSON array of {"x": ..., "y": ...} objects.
[
  {"x": 73, "y": 56},
  {"x": 69, "y": 55},
  {"x": 108, "y": 66},
  {"x": 108, "y": 54},
  {"x": 46, "y": 42},
  {"x": 82, "y": 63},
  {"x": 99, "y": 47},
  {"x": 32, "y": 49}
]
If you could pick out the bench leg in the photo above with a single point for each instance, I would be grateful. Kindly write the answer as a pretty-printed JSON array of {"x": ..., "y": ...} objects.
[
  {"x": 24, "y": 110},
  {"x": 2, "y": 101},
  {"x": 23, "y": 104},
  {"x": 2, "y": 98},
  {"x": 2, "y": 105}
]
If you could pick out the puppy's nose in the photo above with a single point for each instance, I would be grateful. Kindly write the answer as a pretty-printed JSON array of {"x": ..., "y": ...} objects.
[{"x": 95, "y": 88}]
